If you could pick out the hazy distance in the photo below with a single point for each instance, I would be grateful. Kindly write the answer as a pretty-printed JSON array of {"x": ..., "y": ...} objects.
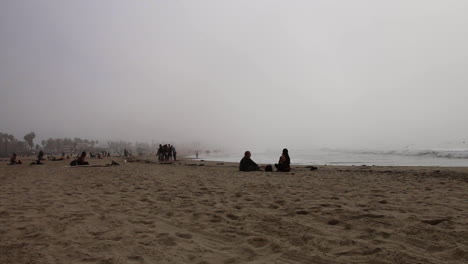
[{"x": 247, "y": 74}]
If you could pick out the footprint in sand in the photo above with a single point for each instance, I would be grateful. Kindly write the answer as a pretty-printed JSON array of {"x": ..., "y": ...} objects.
[
  {"x": 137, "y": 259},
  {"x": 186, "y": 236},
  {"x": 230, "y": 261},
  {"x": 280, "y": 202},
  {"x": 232, "y": 217},
  {"x": 257, "y": 242},
  {"x": 167, "y": 241},
  {"x": 216, "y": 219}
]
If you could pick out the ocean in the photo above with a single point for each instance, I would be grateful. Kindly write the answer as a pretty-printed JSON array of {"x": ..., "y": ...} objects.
[{"x": 404, "y": 157}]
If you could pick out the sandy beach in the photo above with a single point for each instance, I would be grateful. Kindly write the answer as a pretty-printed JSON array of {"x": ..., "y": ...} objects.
[{"x": 186, "y": 213}]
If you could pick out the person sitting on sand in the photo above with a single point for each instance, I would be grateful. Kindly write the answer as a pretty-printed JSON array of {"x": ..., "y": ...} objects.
[
  {"x": 247, "y": 164},
  {"x": 13, "y": 160},
  {"x": 80, "y": 160},
  {"x": 284, "y": 162}
]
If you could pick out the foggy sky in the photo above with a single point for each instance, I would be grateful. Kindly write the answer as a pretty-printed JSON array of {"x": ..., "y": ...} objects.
[{"x": 258, "y": 74}]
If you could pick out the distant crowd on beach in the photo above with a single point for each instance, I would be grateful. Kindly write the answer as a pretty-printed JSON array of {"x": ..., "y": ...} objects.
[
  {"x": 166, "y": 152},
  {"x": 77, "y": 160}
]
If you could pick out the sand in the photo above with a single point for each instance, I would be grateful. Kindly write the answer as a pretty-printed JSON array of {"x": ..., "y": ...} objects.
[{"x": 185, "y": 213}]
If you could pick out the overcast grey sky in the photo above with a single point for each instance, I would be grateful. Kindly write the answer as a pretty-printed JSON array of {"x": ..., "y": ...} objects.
[{"x": 359, "y": 73}]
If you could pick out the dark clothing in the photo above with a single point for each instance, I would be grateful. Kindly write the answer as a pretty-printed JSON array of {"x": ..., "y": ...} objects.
[
  {"x": 41, "y": 155},
  {"x": 283, "y": 163},
  {"x": 247, "y": 164},
  {"x": 282, "y": 167},
  {"x": 77, "y": 162}
]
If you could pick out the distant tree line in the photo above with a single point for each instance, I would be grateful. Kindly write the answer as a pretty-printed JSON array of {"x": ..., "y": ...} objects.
[
  {"x": 9, "y": 144},
  {"x": 68, "y": 145}
]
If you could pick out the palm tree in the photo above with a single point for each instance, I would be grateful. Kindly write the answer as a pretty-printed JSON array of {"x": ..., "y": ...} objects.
[
  {"x": 6, "y": 140},
  {"x": 29, "y": 138},
  {"x": 3, "y": 139}
]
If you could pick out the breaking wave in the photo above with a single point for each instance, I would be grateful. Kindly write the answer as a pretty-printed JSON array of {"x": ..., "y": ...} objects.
[{"x": 437, "y": 153}]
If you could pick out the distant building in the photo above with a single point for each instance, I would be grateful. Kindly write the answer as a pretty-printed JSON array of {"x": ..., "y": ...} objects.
[{"x": 81, "y": 146}]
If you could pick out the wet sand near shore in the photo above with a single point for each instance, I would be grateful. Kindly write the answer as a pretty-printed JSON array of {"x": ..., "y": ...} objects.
[{"x": 209, "y": 212}]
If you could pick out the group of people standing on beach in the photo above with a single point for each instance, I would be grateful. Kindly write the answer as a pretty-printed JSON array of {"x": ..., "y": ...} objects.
[
  {"x": 247, "y": 164},
  {"x": 166, "y": 152}
]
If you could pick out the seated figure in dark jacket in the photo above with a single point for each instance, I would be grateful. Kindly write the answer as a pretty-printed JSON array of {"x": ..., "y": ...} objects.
[
  {"x": 80, "y": 160},
  {"x": 284, "y": 162},
  {"x": 247, "y": 164}
]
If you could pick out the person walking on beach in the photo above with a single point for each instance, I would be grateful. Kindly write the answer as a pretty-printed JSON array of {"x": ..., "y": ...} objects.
[
  {"x": 284, "y": 162},
  {"x": 247, "y": 164}
]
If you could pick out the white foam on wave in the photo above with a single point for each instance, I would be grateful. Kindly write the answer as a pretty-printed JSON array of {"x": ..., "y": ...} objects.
[{"x": 439, "y": 153}]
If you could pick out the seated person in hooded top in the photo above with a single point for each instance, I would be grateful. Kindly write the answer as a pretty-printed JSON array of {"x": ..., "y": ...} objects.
[
  {"x": 284, "y": 162},
  {"x": 247, "y": 164},
  {"x": 80, "y": 160},
  {"x": 13, "y": 160}
]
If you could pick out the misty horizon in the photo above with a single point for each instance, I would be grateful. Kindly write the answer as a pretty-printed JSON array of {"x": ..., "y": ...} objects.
[{"x": 237, "y": 75}]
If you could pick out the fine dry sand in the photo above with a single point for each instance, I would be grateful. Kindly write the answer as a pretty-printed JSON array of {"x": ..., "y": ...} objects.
[{"x": 184, "y": 213}]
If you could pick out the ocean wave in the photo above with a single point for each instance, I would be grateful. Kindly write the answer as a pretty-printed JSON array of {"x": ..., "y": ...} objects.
[{"x": 438, "y": 153}]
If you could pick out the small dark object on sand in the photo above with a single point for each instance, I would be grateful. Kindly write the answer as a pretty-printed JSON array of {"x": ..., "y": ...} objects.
[
  {"x": 302, "y": 212},
  {"x": 435, "y": 221},
  {"x": 312, "y": 167},
  {"x": 201, "y": 164},
  {"x": 333, "y": 222},
  {"x": 115, "y": 163},
  {"x": 37, "y": 162}
]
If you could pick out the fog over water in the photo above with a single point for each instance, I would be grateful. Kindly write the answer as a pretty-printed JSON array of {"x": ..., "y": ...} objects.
[{"x": 238, "y": 74}]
